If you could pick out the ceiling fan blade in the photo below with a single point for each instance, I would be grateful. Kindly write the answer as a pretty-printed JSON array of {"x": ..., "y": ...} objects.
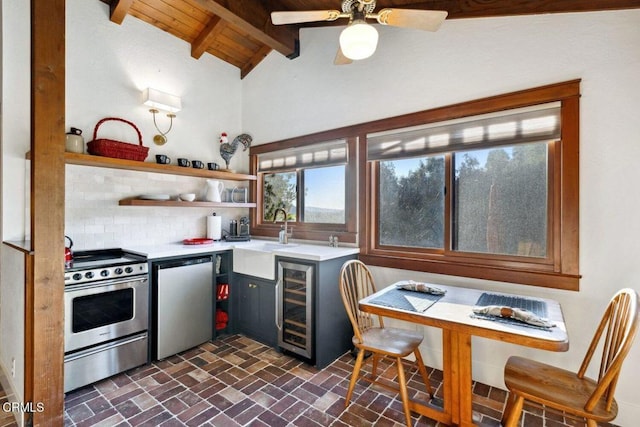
[
  {"x": 340, "y": 59},
  {"x": 427, "y": 20},
  {"x": 296, "y": 17}
]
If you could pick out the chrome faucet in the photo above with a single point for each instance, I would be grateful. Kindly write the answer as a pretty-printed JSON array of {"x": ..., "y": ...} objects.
[{"x": 283, "y": 236}]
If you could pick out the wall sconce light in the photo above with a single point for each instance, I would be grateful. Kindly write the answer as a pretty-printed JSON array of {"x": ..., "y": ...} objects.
[{"x": 161, "y": 101}]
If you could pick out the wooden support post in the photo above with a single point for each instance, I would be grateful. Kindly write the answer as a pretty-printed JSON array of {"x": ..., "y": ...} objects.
[{"x": 44, "y": 368}]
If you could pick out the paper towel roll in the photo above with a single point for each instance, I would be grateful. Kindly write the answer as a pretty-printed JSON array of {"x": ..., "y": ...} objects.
[{"x": 214, "y": 227}]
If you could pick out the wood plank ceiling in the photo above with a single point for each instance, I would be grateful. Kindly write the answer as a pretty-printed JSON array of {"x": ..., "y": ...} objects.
[{"x": 240, "y": 31}]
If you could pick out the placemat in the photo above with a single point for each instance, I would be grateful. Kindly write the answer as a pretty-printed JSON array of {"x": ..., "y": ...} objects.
[
  {"x": 534, "y": 305},
  {"x": 396, "y": 298}
]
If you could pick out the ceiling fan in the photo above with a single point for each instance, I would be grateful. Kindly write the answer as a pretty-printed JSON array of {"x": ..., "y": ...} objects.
[{"x": 359, "y": 39}]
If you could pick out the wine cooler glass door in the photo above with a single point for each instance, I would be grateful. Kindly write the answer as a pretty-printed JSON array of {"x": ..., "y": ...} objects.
[{"x": 295, "y": 308}]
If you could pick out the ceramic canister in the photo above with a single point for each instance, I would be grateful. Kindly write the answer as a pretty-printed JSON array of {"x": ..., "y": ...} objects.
[{"x": 74, "y": 141}]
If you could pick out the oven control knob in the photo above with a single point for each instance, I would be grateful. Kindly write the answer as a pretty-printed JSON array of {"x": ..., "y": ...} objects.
[
  {"x": 104, "y": 273},
  {"x": 128, "y": 270},
  {"x": 89, "y": 274},
  {"x": 118, "y": 270},
  {"x": 77, "y": 276}
]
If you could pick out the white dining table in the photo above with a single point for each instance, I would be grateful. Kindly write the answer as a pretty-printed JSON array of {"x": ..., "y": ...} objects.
[{"x": 453, "y": 313}]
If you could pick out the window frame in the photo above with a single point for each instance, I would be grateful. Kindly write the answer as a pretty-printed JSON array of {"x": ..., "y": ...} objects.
[
  {"x": 563, "y": 270},
  {"x": 302, "y": 230},
  {"x": 560, "y": 268}
]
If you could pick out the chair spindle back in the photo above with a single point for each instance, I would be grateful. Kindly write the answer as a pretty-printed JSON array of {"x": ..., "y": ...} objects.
[
  {"x": 615, "y": 333},
  {"x": 356, "y": 283}
]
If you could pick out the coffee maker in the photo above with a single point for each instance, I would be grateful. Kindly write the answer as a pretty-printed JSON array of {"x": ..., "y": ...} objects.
[
  {"x": 244, "y": 226},
  {"x": 239, "y": 232}
]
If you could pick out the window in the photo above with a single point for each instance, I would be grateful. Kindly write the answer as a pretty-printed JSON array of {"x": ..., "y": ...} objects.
[
  {"x": 322, "y": 201},
  {"x": 279, "y": 192},
  {"x": 500, "y": 200},
  {"x": 311, "y": 182},
  {"x": 412, "y": 202},
  {"x": 324, "y": 195},
  {"x": 485, "y": 189}
]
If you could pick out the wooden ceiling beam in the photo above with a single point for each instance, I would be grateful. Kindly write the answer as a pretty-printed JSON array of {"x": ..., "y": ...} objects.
[
  {"x": 253, "y": 17},
  {"x": 462, "y": 9},
  {"x": 206, "y": 37},
  {"x": 254, "y": 61},
  {"x": 119, "y": 9},
  {"x": 488, "y": 8}
]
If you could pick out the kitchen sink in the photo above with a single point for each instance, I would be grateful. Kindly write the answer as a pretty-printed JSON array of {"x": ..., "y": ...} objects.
[
  {"x": 254, "y": 262},
  {"x": 271, "y": 247},
  {"x": 258, "y": 260}
]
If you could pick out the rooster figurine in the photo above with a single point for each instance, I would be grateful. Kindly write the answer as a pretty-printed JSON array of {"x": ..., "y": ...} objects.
[{"x": 228, "y": 150}]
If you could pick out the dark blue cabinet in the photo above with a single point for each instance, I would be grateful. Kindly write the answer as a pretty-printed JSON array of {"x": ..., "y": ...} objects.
[{"x": 255, "y": 308}]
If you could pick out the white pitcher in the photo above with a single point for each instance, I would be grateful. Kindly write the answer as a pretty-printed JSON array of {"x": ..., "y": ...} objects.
[{"x": 214, "y": 190}]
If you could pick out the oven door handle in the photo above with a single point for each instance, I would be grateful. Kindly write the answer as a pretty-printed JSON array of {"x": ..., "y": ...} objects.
[
  {"x": 103, "y": 347},
  {"x": 103, "y": 283}
]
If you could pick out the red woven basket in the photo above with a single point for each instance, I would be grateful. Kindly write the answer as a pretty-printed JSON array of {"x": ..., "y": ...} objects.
[{"x": 119, "y": 150}]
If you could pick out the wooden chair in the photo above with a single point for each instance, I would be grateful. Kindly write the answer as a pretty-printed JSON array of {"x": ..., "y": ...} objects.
[
  {"x": 356, "y": 283},
  {"x": 571, "y": 392}
]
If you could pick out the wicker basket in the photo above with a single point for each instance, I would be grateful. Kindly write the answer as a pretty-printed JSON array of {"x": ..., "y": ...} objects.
[{"x": 119, "y": 150}]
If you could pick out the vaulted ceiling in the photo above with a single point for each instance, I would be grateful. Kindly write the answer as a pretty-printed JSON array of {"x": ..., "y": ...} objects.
[{"x": 240, "y": 32}]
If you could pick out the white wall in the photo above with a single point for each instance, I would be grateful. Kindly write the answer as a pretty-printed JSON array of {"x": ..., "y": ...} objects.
[
  {"x": 11, "y": 328},
  {"x": 474, "y": 58},
  {"x": 107, "y": 67},
  {"x": 15, "y": 115}
]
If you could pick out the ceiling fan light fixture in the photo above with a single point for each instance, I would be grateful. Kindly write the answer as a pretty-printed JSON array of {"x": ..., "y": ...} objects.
[{"x": 359, "y": 40}]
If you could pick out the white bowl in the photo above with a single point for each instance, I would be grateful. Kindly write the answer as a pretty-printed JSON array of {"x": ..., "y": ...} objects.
[{"x": 187, "y": 197}]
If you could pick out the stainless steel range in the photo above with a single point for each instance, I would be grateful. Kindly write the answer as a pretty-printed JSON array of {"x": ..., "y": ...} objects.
[{"x": 106, "y": 323}]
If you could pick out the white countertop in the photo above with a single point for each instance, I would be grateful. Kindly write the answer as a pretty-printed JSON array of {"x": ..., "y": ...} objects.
[
  {"x": 295, "y": 250},
  {"x": 177, "y": 249},
  {"x": 315, "y": 252}
]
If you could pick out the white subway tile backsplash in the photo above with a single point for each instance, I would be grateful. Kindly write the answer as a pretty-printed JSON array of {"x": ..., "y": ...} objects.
[
  {"x": 122, "y": 219},
  {"x": 93, "y": 218},
  {"x": 94, "y": 229}
]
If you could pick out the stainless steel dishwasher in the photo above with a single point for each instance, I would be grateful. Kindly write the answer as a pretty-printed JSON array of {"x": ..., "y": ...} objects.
[{"x": 183, "y": 304}]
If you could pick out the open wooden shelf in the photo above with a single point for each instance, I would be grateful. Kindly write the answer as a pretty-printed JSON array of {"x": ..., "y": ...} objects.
[
  {"x": 132, "y": 201},
  {"x": 108, "y": 162}
]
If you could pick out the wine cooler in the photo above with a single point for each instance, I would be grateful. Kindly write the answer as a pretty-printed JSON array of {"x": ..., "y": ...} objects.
[{"x": 294, "y": 308}]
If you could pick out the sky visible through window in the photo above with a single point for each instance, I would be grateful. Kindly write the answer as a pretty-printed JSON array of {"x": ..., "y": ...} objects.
[{"x": 325, "y": 187}]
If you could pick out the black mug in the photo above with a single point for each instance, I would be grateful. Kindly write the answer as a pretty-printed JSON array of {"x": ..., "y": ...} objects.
[
  {"x": 162, "y": 159},
  {"x": 184, "y": 163},
  {"x": 197, "y": 164},
  {"x": 212, "y": 166}
]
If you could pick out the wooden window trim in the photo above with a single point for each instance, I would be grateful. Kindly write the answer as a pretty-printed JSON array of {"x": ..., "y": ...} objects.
[
  {"x": 564, "y": 273},
  {"x": 561, "y": 270},
  {"x": 308, "y": 231}
]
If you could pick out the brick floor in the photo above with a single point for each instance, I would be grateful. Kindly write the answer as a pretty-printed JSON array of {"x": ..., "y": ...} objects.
[{"x": 236, "y": 381}]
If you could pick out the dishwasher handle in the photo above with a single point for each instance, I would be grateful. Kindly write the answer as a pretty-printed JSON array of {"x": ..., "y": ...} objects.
[{"x": 184, "y": 262}]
